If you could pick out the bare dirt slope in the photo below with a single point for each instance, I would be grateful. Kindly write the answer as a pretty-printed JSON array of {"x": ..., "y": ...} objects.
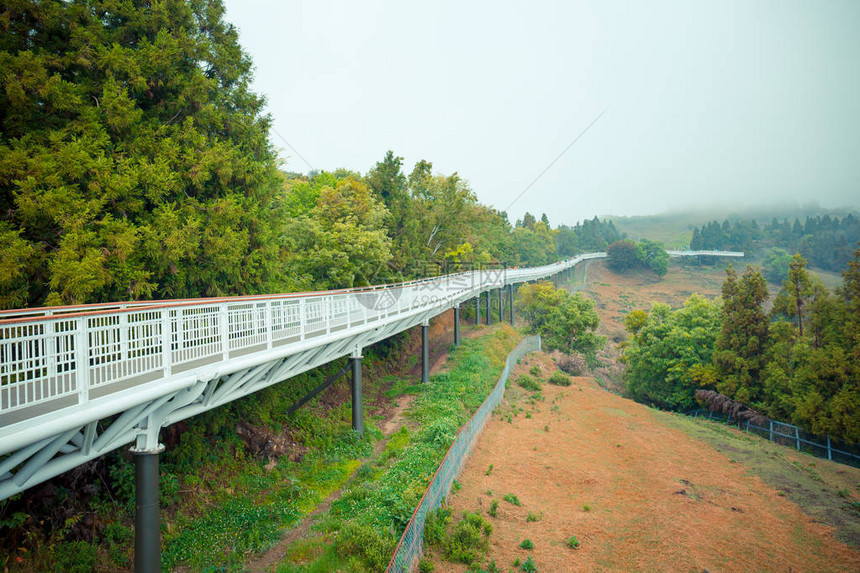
[{"x": 639, "y": 493}]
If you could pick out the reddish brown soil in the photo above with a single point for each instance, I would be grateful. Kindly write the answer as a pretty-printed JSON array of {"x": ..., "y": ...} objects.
[{"x": 658, "y": 500}]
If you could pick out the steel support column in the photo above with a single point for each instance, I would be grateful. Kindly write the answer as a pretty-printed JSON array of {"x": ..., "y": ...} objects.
[
  {"x": 489, "y": 307},
  {"x": 147, "y": 526},
  {"x": 501, "y": 296},
  {"x": 457, "y": 325},
  {"x": 425, "y": 354},
  {"x": 357, "y": 407},
  {"x": 478, "y": 309}
]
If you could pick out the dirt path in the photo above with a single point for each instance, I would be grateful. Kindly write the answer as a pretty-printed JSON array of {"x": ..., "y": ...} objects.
[{"x": 638, "y": 494}]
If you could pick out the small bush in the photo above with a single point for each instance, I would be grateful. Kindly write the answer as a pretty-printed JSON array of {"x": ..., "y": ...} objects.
[
  {"x": 573, "y": 542},
  {"x": 575, "y": 364},
  {"x": 489, "y": 470},
  {"x": 586, "y": 507},
  {"x": 527, "y": 544},
  {"x": 528, "y": 383},
  {"x": 517, "y": 562},
  {"x": 75, "y": 557},
  {"x": 529, "y": 565},
  {"x": 467, "y": 542},
  {"x": 533, "y": 517},
  {"x": 494, "y": 508},
  {"x": 435, "y": 524},
  {"x": 425, "y": 566},
  {"x": 512, "y": 499},
  {"x": 535, "y": 371},
  {"x": 559, "y": 378}
]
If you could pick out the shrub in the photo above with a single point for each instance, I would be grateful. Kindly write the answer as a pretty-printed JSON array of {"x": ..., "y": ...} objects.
[
  {"x": 529, "y": 565},
  {"x": 559, "y": 378},
  {"x": 528, "y": 383},
  {"x": 367, "y": 543},
  {"x": 535, "y": 371},
  {"x": 75, "y": 557},
  {"x": 533, "y": 517},
  {"x": 586, "y": 507},
  {"x": 574, "y": 364},
  {"x": 573, "y": 542},
  {"x": 512, "y": 499},
  {"x": 434, "y": 526},
  {"x": 467, "y": 542},
  {"x": 425, "y": 566},
  {"x": 494, "y": 508},
  {"x": 527, "y": 544},
  {"x": 489, "y": 470}
]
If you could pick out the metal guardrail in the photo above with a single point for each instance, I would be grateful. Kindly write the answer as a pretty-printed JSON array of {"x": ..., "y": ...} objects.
[
  {"x": 790, "y": 436},
  {"x": 411, "y": 542}
]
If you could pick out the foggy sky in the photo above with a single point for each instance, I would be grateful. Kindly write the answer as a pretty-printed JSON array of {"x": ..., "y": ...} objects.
[{"x": 706, "y": 102}]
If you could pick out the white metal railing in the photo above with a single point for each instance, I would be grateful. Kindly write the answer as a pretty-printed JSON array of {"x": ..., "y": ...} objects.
[
  {"x": 705, "y": 253},
  {"x": 54, "y": 353}
]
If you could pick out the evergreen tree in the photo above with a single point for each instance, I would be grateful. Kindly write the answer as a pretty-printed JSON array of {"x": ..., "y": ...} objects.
[
  {"x": 134, "y": 159},
  {"x": 742, "y": 341}
]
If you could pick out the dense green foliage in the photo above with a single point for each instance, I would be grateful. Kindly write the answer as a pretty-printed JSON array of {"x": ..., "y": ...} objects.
[
  {"x": 669, "y": 353},
  {"x": 799, "y": 363},
  {"x": 627, "y": 255},
  {"x": 825, "y": 242},
  {"x": 134, "y": 159},
  {"x": 565, "y": 321}
]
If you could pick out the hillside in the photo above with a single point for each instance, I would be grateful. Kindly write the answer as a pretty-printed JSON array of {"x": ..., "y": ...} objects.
[{"x": 649, "y": 491}]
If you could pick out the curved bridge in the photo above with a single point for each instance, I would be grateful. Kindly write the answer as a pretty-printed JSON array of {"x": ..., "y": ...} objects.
[{"x": 78, "y": 382}]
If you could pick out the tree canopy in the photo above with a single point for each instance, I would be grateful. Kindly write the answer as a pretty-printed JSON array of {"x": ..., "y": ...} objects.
[{"x": 567, "y": 322}]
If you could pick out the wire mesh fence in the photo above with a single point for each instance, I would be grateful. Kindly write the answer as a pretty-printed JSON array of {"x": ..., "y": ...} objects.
[
  {"x": 411, "y": 542},
  {"x": 792, "y": 436}
]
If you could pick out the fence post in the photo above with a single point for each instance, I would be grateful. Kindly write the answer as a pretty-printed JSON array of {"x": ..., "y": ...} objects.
[
  {"x": 771, "y": 430},
  {"x": 829, "y": 450},
  {"x": 797, "y": 437}
]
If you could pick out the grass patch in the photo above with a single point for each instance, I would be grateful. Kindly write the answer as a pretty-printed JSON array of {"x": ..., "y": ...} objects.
[
  {"x": 527, "y": 382},
  {"x": 559, "y": 378}
]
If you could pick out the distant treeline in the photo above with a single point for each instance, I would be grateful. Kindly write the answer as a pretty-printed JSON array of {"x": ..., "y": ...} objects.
[{"x": 825, "y": 242}]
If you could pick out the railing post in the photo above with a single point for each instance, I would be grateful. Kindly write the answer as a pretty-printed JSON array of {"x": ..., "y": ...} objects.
[
  {"x": 268, "y": 322},
  {"x": 425, "y": 353},
  {"x": 82, "y": 360},
  {"x": 303, "y": 314},
  {"x": 329, "y": 313},
  {"x": 225, "y": 330},
  {"x": 166, "y": 342},
  {"x": 50, "y": 334}
]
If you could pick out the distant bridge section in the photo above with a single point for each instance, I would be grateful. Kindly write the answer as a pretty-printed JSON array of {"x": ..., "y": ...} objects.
[
  {"x": 705, "y": 253},
  {"x": 77, "y": 382}
]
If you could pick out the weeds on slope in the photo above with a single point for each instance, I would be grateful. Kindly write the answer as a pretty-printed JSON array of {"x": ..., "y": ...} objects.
[{"x": 366, "y": 522}]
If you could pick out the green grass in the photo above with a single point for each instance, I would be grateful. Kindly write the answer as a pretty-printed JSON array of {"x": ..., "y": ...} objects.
[{"x": 376, "y": 505}]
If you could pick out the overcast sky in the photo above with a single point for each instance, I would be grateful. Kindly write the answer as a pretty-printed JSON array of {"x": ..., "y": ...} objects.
[{"x": 706, "y": 101}]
